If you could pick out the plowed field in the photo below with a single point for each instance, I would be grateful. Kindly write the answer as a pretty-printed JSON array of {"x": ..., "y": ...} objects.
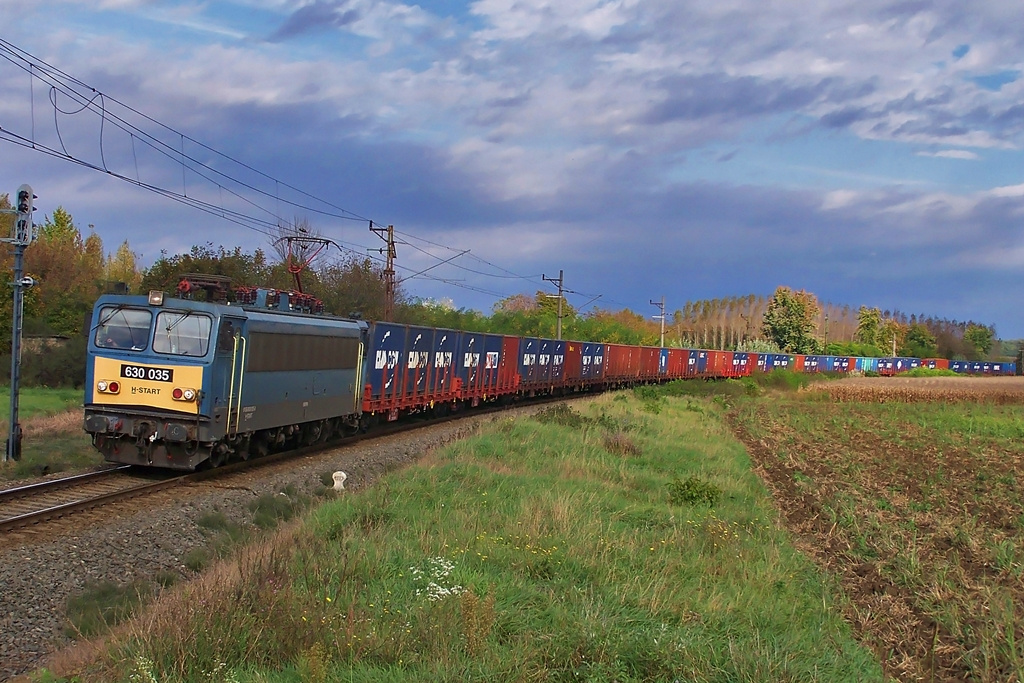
[{"x": 910, "y": 494}]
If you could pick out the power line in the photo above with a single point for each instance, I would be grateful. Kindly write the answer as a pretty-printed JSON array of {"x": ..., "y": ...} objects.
[
  {"x": 100, "y": 105},
  {"x": 262, "y": 219}
]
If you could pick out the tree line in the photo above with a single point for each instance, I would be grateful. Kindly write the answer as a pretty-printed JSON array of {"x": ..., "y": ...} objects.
[{"x": 73, "y": 270}]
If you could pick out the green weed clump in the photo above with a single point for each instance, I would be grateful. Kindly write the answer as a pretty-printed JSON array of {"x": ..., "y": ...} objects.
[
  {"x": 930, "y": 372},
  {"x": 693, "y": 491},
  {"x": 621, "y": 444},
  {"x": 270, "y": 509},
  {"x": 102, "y": 605},
  {"x": 701, "y": 387},
  {"x": 561, "y": 414},
  {"x": 784, "y": 380}
]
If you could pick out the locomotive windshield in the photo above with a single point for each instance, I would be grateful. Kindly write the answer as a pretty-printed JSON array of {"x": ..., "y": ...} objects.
[
  {"x": 123, "y": 328},
  {"x": 182, "y": 333}
]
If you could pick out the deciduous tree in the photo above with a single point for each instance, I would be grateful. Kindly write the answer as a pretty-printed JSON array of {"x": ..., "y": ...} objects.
[
  {"x": 869, "y": 324},
  {"x": 981, "y": 337},
  {"x": 790, "y": 319}
]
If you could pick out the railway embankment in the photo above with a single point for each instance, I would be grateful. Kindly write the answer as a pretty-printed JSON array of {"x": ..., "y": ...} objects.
[{"x": 624, "y": 537}]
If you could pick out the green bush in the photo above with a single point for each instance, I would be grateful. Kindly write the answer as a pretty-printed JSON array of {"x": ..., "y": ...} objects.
[
  {"x": 693, "y": 491},
  {"x": 54, "y": 366},
  {"x": 560, "y": 414}
]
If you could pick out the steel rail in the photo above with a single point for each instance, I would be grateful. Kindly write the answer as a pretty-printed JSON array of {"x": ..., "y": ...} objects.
[
  {"x": 58, "y": 483},
  {"x": 64, "y": 509}
]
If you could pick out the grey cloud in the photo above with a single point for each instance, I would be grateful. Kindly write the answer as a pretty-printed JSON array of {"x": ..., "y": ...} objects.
[
  {"x": 316, "y": 17},
  {"x": 709, "y": 95},
  {"x": 843, "y": 118}
]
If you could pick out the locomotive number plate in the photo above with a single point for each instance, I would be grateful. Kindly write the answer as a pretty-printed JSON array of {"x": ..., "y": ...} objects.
[{"x": 152, "y": 374}]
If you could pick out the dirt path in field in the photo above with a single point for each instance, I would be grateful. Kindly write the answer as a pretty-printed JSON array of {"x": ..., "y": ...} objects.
[{"x": 907, "y": 526}]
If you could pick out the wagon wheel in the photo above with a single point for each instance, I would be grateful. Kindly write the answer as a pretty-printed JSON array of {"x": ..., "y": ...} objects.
[
  {"x": 242, "y": 450},
  {"x": 218, "y": 456}
]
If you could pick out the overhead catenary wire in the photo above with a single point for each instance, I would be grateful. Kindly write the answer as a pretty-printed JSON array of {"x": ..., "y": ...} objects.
[
  {"x": 62, "y": 83},
  {"x": 85, "y": 99}
]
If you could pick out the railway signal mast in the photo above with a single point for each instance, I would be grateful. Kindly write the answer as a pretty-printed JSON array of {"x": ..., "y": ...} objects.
[{"x": 20, "y": 238}]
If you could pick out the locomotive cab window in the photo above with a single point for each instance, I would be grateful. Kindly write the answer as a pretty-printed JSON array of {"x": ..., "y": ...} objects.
[
  {"x": 182, "y": 333},
  {"x": 123, "y": 328},
  {"x": 226, "y": 336}
]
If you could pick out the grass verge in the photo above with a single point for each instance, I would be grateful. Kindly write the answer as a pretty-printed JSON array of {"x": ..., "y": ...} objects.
[
  {"x": 52, "y": 436},
  {"x": 628, "y": 541}
]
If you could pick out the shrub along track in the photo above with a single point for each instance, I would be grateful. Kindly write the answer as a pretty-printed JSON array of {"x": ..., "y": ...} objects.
[{"x": 906, "y": 524}]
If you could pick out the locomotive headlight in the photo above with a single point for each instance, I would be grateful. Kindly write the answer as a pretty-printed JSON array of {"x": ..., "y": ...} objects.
[
  {"x": 179, "y": 394},
  {"x": 105, "y": 387}
]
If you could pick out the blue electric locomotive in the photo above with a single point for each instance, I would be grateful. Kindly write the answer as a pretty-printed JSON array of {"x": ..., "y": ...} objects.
[{"x": 177, "y": 383}]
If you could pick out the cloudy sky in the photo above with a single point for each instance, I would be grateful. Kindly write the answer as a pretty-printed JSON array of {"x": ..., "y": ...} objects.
[{"x": 867, "y": 151}]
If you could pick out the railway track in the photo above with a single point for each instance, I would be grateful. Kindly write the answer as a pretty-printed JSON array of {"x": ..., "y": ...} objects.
[{"x": 22, "y": 506}]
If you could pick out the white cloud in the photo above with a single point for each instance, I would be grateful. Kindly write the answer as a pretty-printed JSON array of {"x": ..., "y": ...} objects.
[
  {"x": 951, "y": 154},
  {"x": 839, "y": 199},
  {"x": 1008, "y": 191}
]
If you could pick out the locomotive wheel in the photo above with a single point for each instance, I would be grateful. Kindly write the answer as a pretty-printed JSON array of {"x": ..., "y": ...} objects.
[{"x": 217, "y": 457}]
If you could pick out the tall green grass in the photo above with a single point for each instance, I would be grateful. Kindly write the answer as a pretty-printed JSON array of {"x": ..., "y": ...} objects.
[
  {"x": 52, "y": 436},
  {"x": 539, "y": 549},
  {"x": 37, "y": 401}
]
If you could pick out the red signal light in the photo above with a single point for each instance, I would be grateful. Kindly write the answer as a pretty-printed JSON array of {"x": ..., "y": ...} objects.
[
  {"x": 114, "y": 387},
  {"x": 176, "y": 394}
]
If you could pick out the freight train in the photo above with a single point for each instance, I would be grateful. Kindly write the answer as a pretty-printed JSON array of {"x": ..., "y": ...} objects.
[{"x": 181, "y": 384}]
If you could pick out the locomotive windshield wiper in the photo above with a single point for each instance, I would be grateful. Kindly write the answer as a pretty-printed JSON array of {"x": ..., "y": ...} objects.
[
  {"x": 178, "y": 320},
  {"x": 117, "y": 309}
]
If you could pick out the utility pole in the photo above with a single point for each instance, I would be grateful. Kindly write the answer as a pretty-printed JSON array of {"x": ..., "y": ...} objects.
[
  {"x": 661, "y": 317},
  {"x": 19, "y": 239},
  {"x": 559, "y": 281},
  {"x": 825, "y": 348},
  {"x": 388, "y": 235}
]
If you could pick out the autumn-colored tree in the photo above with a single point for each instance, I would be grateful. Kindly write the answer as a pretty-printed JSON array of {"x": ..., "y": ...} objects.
[
  {"x": 122, "y": 266},
  {"x": 891, "y": 335},
  {"x": 6, "y": 219},
  {"x": 790, "y": 319},
  {"x": 69, "y": 271},
  {"x": 517, "y": 303},
  {"x": 613, "y": 327}
]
